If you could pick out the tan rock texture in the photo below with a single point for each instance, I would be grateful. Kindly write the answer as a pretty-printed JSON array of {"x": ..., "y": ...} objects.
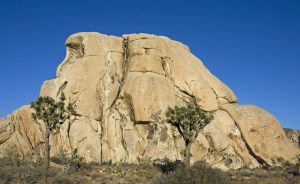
[
  {"x": 121, "y": 88},
  {"x": 261, "y": 132},
  {"x": 293, "y": 136}
]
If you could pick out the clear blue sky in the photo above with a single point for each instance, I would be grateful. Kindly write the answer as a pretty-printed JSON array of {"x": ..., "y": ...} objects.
[{"x": 251, "y": 45}]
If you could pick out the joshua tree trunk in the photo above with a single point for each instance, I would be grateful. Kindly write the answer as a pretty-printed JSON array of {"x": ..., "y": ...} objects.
[
  {"x": 47, "y": 149},
  {"x": 187, "y": 161}
]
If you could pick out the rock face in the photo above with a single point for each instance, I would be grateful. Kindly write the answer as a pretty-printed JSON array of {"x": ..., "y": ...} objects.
[
  {"x": 293, "y": 136},
  {"x": 121, "y": 88}
]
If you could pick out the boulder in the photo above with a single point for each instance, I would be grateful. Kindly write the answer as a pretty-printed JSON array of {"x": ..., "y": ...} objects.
[
  {"x": 121, "y": 88},
  {"x": 262, "y": 133}
]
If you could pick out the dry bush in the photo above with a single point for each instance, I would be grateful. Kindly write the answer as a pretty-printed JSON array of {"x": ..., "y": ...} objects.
[
  {"x": 199, "y": 173},
  {"x": 261, "y": 176}
]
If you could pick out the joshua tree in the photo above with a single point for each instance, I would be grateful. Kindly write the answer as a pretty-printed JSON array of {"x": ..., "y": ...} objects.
[
  {"x": 189, "y": 120},
  {"x": 53, "y": 114}
]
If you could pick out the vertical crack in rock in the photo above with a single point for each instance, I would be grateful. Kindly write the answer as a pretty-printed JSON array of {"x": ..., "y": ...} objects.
[
  {"x": 68, "y": 134},
  {"x": 100, "y": 121},
  {"x": 251, "y": 152},
  {"x": 210, "y": 141},
  {"x": 105, "y": 99},
  {"x": 61, "y": 88},
  {"x": 108, "y": 107},
  {"x": 101, "y": 142},
  {"x": 238, "y": 155},
  {"x": 123, "y": 118},
  {"x": 166, "y": 67},
  {"x": 128, "y": 101},
  {"x": 215, "y": 95},
  {"x": 125, "y": 70},
  {"x": 168, "y": 74}
]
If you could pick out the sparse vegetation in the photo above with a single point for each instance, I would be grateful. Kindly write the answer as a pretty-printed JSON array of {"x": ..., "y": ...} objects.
[
  {"x": 199, "y": 173},
  {"x": 167, "y": 166},
  {"x": 16, "y": 169},
  {"x": 70, "y": 161},
  {"x": 189, "y": 120},
  {"x": 61, "y": 157},
  {"x": 71, "y": 168}
]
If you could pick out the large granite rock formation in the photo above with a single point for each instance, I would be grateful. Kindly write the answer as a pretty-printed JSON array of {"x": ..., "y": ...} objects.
[{"x": 121, "y": 88}]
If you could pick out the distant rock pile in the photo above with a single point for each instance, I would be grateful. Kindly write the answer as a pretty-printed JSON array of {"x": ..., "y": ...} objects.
[{"x": 121, "y": 88}]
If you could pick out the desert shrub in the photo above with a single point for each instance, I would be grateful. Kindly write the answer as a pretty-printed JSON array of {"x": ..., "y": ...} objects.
[
  {"x": 294, "y": 169},
  {"x": 117, "y": 169},
  {"x": 281, "y": 162},
  {"x": 17, "y": 169},
  {"x": 263, "y": 176},
  {"x": 77, "y": 161},
  {"x": 145, "y": 166},
  {"x": 199, "y": 173},
  {"x": 121, "y": 172},
  {"x": 11, "y": 156},
  {"x": 166, "y": 166},
  {"x": 72, "y": 161},
  {"x": 12, "y": 152},
  {"x": 61, "y": 157},
  {"x": 291, "y": 168}
]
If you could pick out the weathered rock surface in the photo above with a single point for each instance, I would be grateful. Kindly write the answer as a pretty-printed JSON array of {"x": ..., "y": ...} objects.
[
  {"x": 293, "y": 136},
  {"x": 261, "y": 132},
  {"x": 121, "y": 88}
]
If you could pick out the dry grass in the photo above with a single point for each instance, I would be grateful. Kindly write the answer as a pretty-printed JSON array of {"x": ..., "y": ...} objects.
[
  {"x": 15, "y": 170},
  {"x": 261, "y": 176}
]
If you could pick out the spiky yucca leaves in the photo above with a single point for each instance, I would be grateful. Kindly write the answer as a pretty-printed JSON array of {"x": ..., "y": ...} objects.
[
  {"x": 189, "y": 120},
  {"x": 53, "y": 114}
]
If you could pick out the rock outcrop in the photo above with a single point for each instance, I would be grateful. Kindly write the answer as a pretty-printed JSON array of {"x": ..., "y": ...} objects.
[
  {"x": 121, "y": 88},
  {"x": 293, "y": 136}
]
